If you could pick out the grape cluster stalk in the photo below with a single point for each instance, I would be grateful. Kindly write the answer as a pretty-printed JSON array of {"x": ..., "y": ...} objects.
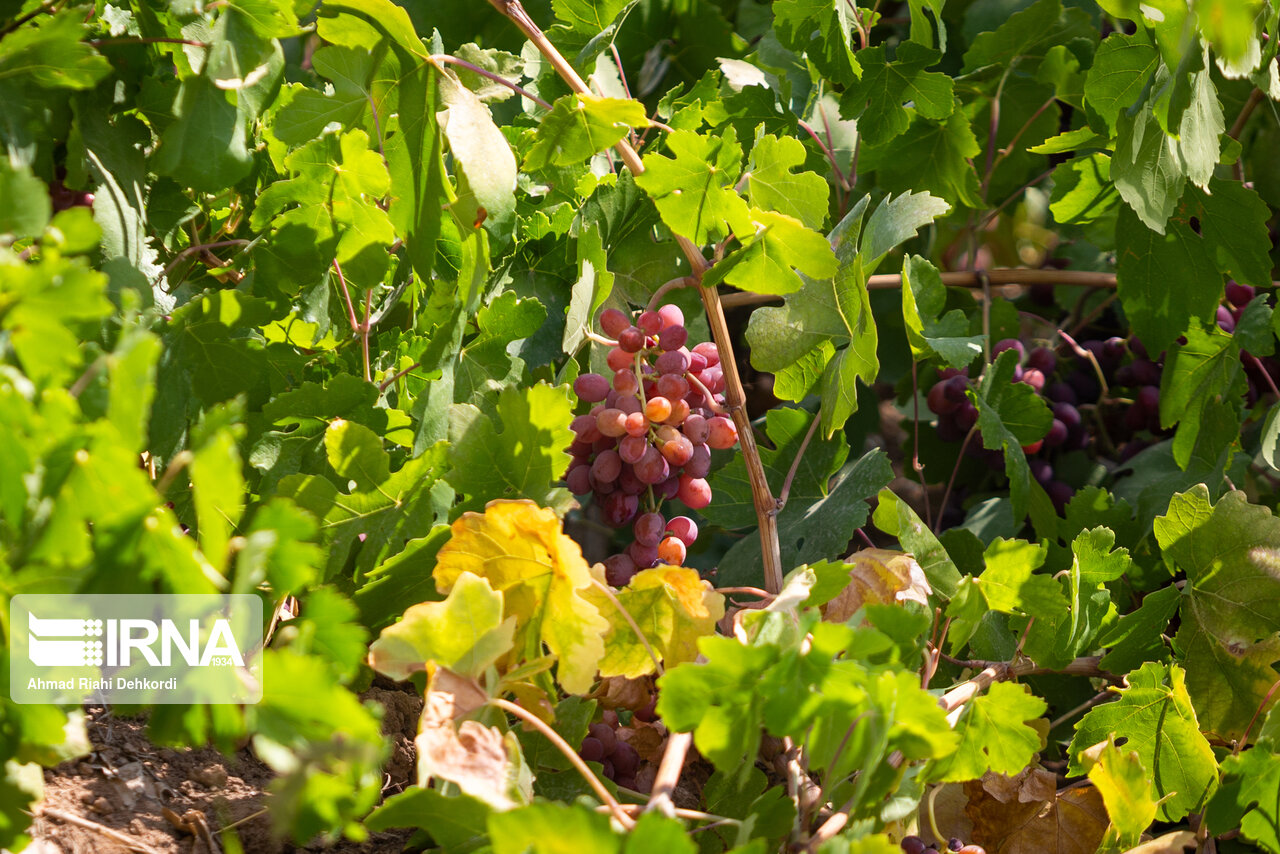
[{"x": 648, "y": 436}]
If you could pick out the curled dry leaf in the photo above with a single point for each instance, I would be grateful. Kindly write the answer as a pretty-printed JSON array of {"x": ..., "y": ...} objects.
[
  {"x": 1070, "y": 822},
  {"x": 879, "y": 576},
  {"x": 1030, "y": 785},
  {"x": 469, "y": 754},
  {"x": 618, "y": 692}
]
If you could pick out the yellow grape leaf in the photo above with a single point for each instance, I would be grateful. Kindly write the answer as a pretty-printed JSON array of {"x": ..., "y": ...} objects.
[
  {"x": 1124, "y": 785},
  {"x": 521, "y": 550},
  {"x": 878, "y": 577},
  {"x": 671, "y": 605},
  {"x": 465, "y": 633}
]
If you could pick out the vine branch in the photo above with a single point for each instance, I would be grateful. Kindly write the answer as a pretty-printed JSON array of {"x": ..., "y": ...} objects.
[{"x": 735, "y": 397}]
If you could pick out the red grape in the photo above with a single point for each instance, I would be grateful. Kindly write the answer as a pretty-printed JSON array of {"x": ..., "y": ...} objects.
[
  {"x": 1042, "y": 359},
  {"x": 700, "y": 463},
  {"x": 684, "y": 528},
  {"x": 631, "y": 340},
  {"x": 625, "y": 759},
  {"x": 613, "y": 321},
  {"x": 658, "y": 409},
  {"x": 591, "y": 750},
  {"x": 679, "y": 412},
  {"x": 671, "y": 316},
  {"x": 678, "y": 451},
  {"x": 672, "y": 362},
  {"x": 671, "y": 550},
  {"x": 648, "y": 529},
  {"x": 625, "y": 382},
  {"x": 644, "y": 556},
  {"x": 938, "y": 402},
  {"x": 632, "y": 449},
  {"x": 612, "y": 423},
  {"x": 650, "y": 322},
  {"x": 637, "y": 424},
  {"x": 1009, "y": 344},
  {"x": 592, "y": 388},
  {"x": 672, "y": 386},
  {"x": 721, "y": 433},
  {"x": 708, "y": 351},
  {"x": 1034, "y": 378},
  {"x": 1057, "y": 434},
  {"x": 695, "y": 427},
  {"x": 652, "y": 468},
  {"x": 607, "y": 466},
  {"x": 605, "y": 735},
  {"x": 619, "y": 360},
  {"x": 673, "y": 337},
  {"x": 579, "y": 480},
  {"x": 619, "y": 508},
  {"x": 1239, "y": 295},
  {"x": 694, "y": 492}
]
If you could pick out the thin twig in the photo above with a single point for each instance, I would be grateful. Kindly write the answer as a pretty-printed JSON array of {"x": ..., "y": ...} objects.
[
  {"x": 390, "y": 381},
  {"x": 946, "y": 495},
  {"x": 749, "y": 591},
  {"x": 994, "y": 212},
  {"x": 346, "y": 295},
  {"x": 34, "y": 13},
  {"x": 484, "y": 72},
  {"x": 1083, "y": 707},
  {"x": 191, "y": 250},
  {"x": 795, "y": 464},
  {"x": 826, "y": 149},
  {"x": 114, "y": 835},
  {"x": 569, "y": 753},
  {"x": 667, "y": 287},
  {"x": 1237, "y": 127},
  {"x": 916, "y": 465},
  {"x": 1244, "y": 739},
  {"x": 664, "y": 783},
  {"x": 598, "y": 338},
  {"x": 364, "y": 334}
]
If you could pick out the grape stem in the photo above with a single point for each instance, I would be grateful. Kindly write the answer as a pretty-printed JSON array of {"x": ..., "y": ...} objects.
[
  {"x": 664, "y": 783},
  {"x": 569, "y": 753},
  {"x": 946, "y": 495},
  {"x": 795, "y": 464},
  {"x": 599, "y": 339},
  {"x": 734, "y": 394},
  {"x": 711, "y": 401},
  {"x": 667, "y": 287},
  {"x": 916, "y": 465},
  {"x": 991, "y": 672}
]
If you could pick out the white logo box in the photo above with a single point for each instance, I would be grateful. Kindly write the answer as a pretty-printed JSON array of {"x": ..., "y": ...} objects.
[{"x": 144, "y": 648}]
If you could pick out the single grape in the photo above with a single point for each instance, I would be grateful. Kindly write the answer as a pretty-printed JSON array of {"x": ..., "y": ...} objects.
[
  {"x": 1057, "y": 434},
  {"x": 606, "y": 768},
  {"x": 1086, "y": 384},
  {"x": 956, "y": 388},
  {"x": 613, "y": 321},
  {"x": 672, "y": 362},
  {"x": 1040, "y": 470},
  {"x": 699, "y": 465},
  {"x": 592, "y": 388},
  {"x": 625, "y": 382},
  {"x": 1059, "y": 493},
  {"x": 618, "y": 570},
  {"x": 591, "y": 750},
  {"x": 648, "y": 712},
  {"x": 1239, "y": 295},
  {"x": 1137, "y": 348},
  {"x": 972, "y": 849},
  {"x": 584, "y": 426},
  {"x": 1033, "y": 378},
  {"x": 612, "y": 423},
  {"x": 912, "y": 845},
  {"x": 668, "y": 488},
  {"x": 1226, "y": 322},
  {"x": 679, "y": 412},
  {"x": 671, "y": 551},
  {"x": 678, "y": 451},
  {"x": 578, "y": 480},
  {"x": 1042, "y": 359},
  {"x": 631, "y": 340},
  {"x": 625, "y": 760},
  {"x": 672, "y": 386},
  {"x": 938, "y": 402},
  {"x": 1067, "y": 414},
  {"x": 607, "y": 466},
  {"x": 619, "y": 508},
  {"x": 1017, "y": 373},
  {"x": 632, "y": 448},
  {"x": 709, "y": 351},
  {"x": 1139, "y": 372},
  {"x": 1009, "y": 344},
  {"x": 671, "y": 315},
  {"x": 966, "y": 416},
  {"x": 1113, "y": 350},
  {"x": 644, "y": 556},
  {"x": 629, "y": 483},
  {"x": 605, "y": 735},
  {"x": 673, "y": 337},
  {"x": 658, "y": 409},
  {"x": 667, "y": 433},
  {"x": 637, "y": 424},
  {"x": 694, "y": 492},
  {"x": 652, "y": 468},
  {"x": 721, "y": 433},
  {"x": 955, "y": 843},
  {"x": 695, "y": 427},
  {"x": 713, "y": 379},
  {"x": 619, "y": 359},
  {"x": 628, "y": 403},
  {"x": 1061, "y": 392},
  {"x": 684, "y": 528},
  {"x": 648, "y": 528},
  {"x": 650, "y": 322}
]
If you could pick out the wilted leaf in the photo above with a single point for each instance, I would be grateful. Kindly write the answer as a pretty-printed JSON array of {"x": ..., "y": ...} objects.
[
  {"x": 471, "y": 755},
  {"x": 672, "y": 606},
  {"x": 1070, "y": 822},
  {"x": 877, "y": 577},
  {"x": 521, "y": 550}
]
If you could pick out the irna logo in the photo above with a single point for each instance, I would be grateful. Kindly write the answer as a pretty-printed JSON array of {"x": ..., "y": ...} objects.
[{"x": 54, "y": 642}]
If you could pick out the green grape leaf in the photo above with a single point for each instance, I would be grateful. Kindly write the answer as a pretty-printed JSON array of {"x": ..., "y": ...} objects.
[
  {"x": 764, "y": 264},
  {"x": 486, "y": 166},
  {"x": 309, "y": 111},
  {"x": 456, "y": 822},
  {"x": 207, "y": 147},
  {"x": 580, "y": 125},
  {"x": 1232, "y": 220},
  {"x": 485, "y": 364},
  {"x": 823, "y": 30},
  {"x": 51, "y": 54},
  {"x": 1010, "y": 584},
  {"x": 896, "y": 518},
  {"x": 933, "y": 157},
  {"x": 217, "y": 493},
  {"x": 1148, "y": 169},
  {"x": 1011, "y": 415},
  {"x": 1249, "y": 798},
  {"x": 465, "y": 633},
  {"x": 593, "y": 287},
  {"x": 521, "y": 461},
  {"x": 356, "y": 454},
  {"x": 772, "y": 185},
  {"x": 1230, "y": 632},
  {"x": 1136, "y": 637},
  {"x": 694, "y": 189},
  {"x": 587, "y": 17},
  {"x": 1054, "y": 639},
  {"x": 1121, "y": 69},
  {"x": 1083, "y": 191},
  {"x": 929, "y": 331},
  {"x": 27, "y": 207},
  {"x": 994, "y": 735},
  {"x": 1154, "y": 715},
  {"x": 877, "y": 99},
  {"x": 1202, "y": 371},
  {"x": 552, "y": 828},
  {"x": 1028, "y": 34},
  {"x": 507, "y": 66},
  {"x": 1165, "y": 281}
]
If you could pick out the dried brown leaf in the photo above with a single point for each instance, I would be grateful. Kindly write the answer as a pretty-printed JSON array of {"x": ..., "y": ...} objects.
[
  {"x": 878, "y": 577},
  {"x": 1071, "y": 822}
]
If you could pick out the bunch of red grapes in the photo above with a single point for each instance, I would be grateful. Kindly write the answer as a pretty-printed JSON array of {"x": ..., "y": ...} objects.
[
  {"x": 649, "y": 434},
  {"x": 619, "y": 760},
  {"x": 915, "y": 845},
  {"x": 1104, "y": 392}
]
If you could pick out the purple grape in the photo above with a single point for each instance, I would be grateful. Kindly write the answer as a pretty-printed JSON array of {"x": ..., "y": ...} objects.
[
  {"x": 644, "y": 556},
  {"x": 1148, "y": 398},
  {"x": 957, "y": 388},
  {"x": 618, "y": 570},
  {"x": 1226, "y": 322},
  {"x": 649, "y": 528},
  {"x": 1067, "y": 414},
  {"x": 592, "y": 388},
  {"x": 631, "y": 340},
  {"x": 1239, "y": 295},
  {"x": 949, "y": 430},
  {"x": 672, "y": 362},
  {"x": 653, "y": 467},
  {"x": 673, "y": 337},
  {"x": 1086, "y": 384},
  {"x": 619, "y": 508},
  {"x": 591, "y": 750},
  {"x": 1061, "y": 392},
  {"x": 1042, "y": 359},
  {"x": 695, "y": 427},
  {"x": 625, "y": 760},
  {"x": 938, "y": 401},
  {"x": 1041, "y": 470},
  {"x": 1057, "y": 434},
  {"x": 607, "y": 466},
  {"x": 684, "y": 528},
  {"x": 966, "y": 416},
  {"x": 1113, "y": 350},
  {"x": 1009, "y": 344},
  {"x": 604, "y": 734},
  {"x": 914, "y": 844},
  {"x": 1139, "y": 372},
  {"x": 1059, "y": 493},
  {"x": 629, "y": 483},
  {"x": 579, "y": 480}
]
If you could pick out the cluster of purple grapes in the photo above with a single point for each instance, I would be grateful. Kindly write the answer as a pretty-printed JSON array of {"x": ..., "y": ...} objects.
[
  {"x": 62, "y": 198},
  {"x": 620, "y": 760},
  {"x": 915, "y": 845},
  {"x": 649, "y": 434}
]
